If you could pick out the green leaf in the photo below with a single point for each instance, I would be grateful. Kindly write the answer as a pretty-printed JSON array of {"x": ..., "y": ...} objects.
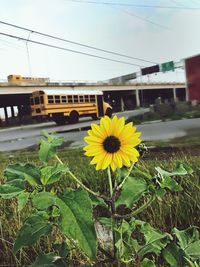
[
  {"x": 62, "y": 249},
  {"x": 22, "y": 200},
  {"x": 52, "y": 174},
  {"x": 155, "y": 240},
  {"x": 180, "y": 170},
  {"x": 9, "y": 191},
  {"x": 27, "y": 172},
  {"x": 132, "y": 191},
  {"x": 142, "y": 174},
  {"x": 187, "y": 236},
  {"x": 193, "y": 250},
  {"x": 170, "y": 183},
  {"x": 76, "y": 220},
  {"x": 34, "y": 227},
  {"x": 123, "y": 236},
  {"x": 160, "y": 193},
  {"x": 147, "y": 263},
  {"x": 173, "y": 255},
  {"x": 191, "y": 264},
  {"x": 43, "y": 200},
  {"x": 189, "y": 242},
  {"x": 49, "y": 145},
  {"x": 96, "y": 201},
  {"x": 48, "y": 260}
]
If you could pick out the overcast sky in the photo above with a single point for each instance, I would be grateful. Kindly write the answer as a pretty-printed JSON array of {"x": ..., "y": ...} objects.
[{"x": 154, "y": 34}]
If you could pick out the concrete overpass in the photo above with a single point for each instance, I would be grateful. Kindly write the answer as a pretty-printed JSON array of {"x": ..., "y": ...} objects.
[{"x": 121, "y": 96}]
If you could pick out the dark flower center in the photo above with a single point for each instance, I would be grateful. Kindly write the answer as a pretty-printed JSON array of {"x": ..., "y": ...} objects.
[{"x": 111, "y": 144}]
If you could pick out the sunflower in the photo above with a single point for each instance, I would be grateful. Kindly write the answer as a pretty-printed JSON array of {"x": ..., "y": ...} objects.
[{"x": 112, "y": 143}]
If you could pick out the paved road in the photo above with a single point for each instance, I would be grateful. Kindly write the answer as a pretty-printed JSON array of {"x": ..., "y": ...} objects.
[
  {"x": 26, "y": 136},
  {"x": 23, "y": 137}
]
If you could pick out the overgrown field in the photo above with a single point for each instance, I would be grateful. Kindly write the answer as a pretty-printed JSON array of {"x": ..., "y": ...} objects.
[{"x": 180, "y": 209}]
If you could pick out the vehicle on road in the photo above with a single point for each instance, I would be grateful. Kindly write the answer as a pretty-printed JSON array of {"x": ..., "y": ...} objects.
[{"x": 68, "y": 105}]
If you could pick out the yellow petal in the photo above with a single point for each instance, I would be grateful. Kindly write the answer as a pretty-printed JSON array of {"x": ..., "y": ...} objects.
[
  {"x": 130, "y": 151},
  {"x": 120, "y": 126},
  {"x": 92, "y": 139},
  {"x": 93, "y": 152},
  {"x": 113, "y": 166},
  {"x": 133, "y": 158},
  {"x": 99, "y": 165},
  {"x": 98, "y": 158},
  {"x": 114, "y": 125},
  {"x": 117, "y": 159},
  {"x": 90, "y": 132},
  {"x": 107, "y": 160},
  {"x": 125, "y": 160},
  {"x": 127, "y": 132},
  {"x": 131, "y": 142},
  {"x": 97, "y": 131},
  {"x": 93, "y": 147},
  {"x": 105, "y": 125}
]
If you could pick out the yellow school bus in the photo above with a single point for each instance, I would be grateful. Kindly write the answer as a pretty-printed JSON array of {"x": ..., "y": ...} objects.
[{"x": 68, "y": 105}]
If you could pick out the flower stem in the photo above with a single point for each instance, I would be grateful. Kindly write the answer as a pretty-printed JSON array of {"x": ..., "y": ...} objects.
[
  {"x": 129, "y": 172},
  {"x": 110, "y": 182},
  {"x": 144, "y": 206},
  {"x": 78, "y": 181},
  {"x": 112, "y": 208}
]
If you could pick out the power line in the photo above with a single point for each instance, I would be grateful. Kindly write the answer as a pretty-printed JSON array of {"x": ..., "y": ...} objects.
[
  {"x": 132, "y": 5},
  {"x": 141, "y": 18},
  {"x": 76, "y": 43},
  {"x": 66, "y": 49},
  {"x": 124, "y": 11}
]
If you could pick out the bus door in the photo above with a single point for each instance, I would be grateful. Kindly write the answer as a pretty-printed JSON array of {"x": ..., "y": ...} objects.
[{"x": 100, "y": 105}]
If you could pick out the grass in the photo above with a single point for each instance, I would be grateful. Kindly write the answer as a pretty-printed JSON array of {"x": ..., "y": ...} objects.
[
  {"x": 167, "y": 111},
  {"x": 176, "y": 210}
]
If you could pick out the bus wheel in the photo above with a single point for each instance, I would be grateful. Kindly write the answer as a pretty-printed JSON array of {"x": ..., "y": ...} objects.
[
  {"x": 94, "y": 117},
  {"x": 59, "y": 120},
  {"x": 108, "y": 112},
  {"x": 73, "y": 117}
]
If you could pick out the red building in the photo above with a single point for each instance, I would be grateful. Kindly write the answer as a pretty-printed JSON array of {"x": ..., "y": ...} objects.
[{"x": 192, "y": 69}]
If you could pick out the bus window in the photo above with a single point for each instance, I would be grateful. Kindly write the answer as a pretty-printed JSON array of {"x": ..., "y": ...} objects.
[
  {"x": 37, "y": 100},
  {"x": 92, "y": 98},
  {"x": 63, "y": 99},
  {"x": 32, "y": 102},
  {"x": 50, "y": 99},
  {"x": 41, "y": 100},
  {"x": 69, "y": 98},
  {"x": 86, "y": 98},
  {"x": 81, "y": 98},
  {"x": 75, "y": 99},
  {"x": 57, "y": 99}
]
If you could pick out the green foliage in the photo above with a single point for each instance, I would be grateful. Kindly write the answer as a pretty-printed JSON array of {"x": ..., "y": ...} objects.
[
  {"x": 76, "y": 220},
  {"x": 132, "y": 190},
  {"x": 147, "y": 263},
  {"x": 48, "y": 260},
  {"x": 63, "y": 217},
  {"x": 22, "y": 200},
  {"x": 10, "y": 190},
  {"x": 52, "y": 174},
  {"x": 49, "y": 146},
  {"x": 185, "y": 249},
  {"x": 34, "y": 227},
  {"x": 165, "y": 178},
  {"x": 43, "y": 200},
  {"x": 23, "y": 172},
  {"x": 155, "y": 240}
]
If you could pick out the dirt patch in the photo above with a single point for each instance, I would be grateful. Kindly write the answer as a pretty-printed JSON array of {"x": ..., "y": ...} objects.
[{"x": 169, "y": 152}]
